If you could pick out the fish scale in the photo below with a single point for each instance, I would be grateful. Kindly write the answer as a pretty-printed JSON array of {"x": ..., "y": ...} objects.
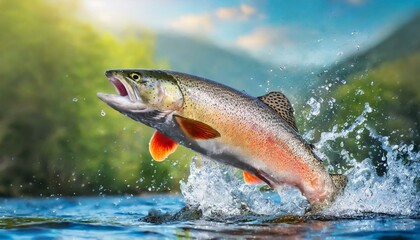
[
  {"x": 244, "y": 112},
  {"x": 257, "y": 135}
]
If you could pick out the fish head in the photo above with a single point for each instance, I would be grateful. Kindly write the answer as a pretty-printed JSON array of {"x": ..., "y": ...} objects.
[{"x": 143, "y": 94}]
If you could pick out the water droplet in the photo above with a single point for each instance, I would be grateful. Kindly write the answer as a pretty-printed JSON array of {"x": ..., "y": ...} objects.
[
  {"x": 359, "y": 92},
  {"x": 315, "y": 108},
  {"x": 410, "y": 147},
  {"x": 103, "y": 113},
  {"x": 368, "y": 108}
]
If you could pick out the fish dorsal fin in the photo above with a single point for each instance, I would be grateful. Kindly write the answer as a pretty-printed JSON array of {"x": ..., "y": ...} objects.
[
  {"x": 195, "y": 129},
  {"x": 251, "y": 179},
  {"x": 279, "y": 103},
  {"x": 161, "y": 146}
]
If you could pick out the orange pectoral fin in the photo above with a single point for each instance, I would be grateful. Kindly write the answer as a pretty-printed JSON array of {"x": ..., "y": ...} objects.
[
  {"x": 195, "y": 129},
  {"x": 161, "y": 146},
  {"x": 251, "y": 179}
]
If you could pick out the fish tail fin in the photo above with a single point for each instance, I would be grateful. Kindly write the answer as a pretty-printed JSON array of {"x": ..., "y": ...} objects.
[{"x": 339, "y": 181}]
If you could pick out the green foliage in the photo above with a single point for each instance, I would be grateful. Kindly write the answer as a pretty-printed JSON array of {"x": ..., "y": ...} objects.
[
  {"x": 393, "y": 92},
  {"x": 53, "y": 137}
]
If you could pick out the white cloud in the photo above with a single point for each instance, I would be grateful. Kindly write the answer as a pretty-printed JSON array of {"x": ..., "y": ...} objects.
[
  {"x": 206, "y": 21},
  {"x": 265, "y": 37},
  {"x": 247, "y": 10},
  {"x": 193, "y": 23},
  {"x": 243, "y": 12},
  {"x": 226, "y": 13}
]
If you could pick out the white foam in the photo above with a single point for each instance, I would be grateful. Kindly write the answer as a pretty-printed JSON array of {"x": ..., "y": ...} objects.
[
  {"x": 395, "y": 193},
  {"x": 216, "y": 190}
]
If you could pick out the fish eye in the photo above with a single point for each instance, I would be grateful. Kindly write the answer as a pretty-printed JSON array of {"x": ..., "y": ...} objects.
[{"x": 134, "y": 76}]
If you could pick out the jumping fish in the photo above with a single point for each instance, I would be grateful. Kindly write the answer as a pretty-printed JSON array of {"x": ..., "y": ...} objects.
[{"x": 256, "y": 134}]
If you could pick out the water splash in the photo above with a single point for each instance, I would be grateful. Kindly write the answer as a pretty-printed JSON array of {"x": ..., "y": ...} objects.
[
  {"x": 214, "y": 188},
  {"x": 315, "y": 108},
  {"x": 335, "y": 135},
  {"x": 395, "y": 193}
]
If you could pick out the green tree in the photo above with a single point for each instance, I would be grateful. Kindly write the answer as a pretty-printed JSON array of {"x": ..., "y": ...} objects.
[
  {"x": 393, "y": 93},
  {"x": 56, "y": 137}
]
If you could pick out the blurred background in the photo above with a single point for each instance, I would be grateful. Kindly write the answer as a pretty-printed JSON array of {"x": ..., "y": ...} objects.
[{"x": 329, "y": 57}]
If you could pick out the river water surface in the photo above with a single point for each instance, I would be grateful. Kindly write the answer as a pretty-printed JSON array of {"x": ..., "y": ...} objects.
[
  {"x": 215, "y": 203},
  {"x": 124, "y": 217}
]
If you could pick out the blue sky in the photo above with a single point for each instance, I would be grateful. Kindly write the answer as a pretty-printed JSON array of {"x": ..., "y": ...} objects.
[{"x": 282, "y": 32}]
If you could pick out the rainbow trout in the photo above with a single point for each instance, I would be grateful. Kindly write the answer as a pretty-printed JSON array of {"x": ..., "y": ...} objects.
[{"x": 258, "y": 135}]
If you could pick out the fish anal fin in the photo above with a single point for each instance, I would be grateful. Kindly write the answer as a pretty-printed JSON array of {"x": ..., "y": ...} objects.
[
  {"x": 251, "y": 179},
  {"x": 161, "y": 146},
  {"x": 195, "y": 129},
  {"x": 279, "y": 103}
]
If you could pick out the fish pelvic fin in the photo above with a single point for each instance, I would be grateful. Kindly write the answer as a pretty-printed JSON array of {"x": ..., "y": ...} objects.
[
  {"x": 195, "y": 129},
  {"x": 251, "y": 179},
  {"x": 280, "y": 104},
  {"x": 161, "y": 146}
]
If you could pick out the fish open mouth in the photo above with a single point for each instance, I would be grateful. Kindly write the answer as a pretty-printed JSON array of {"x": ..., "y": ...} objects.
[
  {"x": 122, "y": 87},
  {"x": 119, "y": 87},
  {"x": 127, "y": 100}
]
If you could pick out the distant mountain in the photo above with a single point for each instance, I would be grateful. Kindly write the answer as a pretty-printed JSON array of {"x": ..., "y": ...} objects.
[
  {"x": 244, "y": 72},
  {"x": 234, "y": 68},
  {"x": 401, "y": 43}
]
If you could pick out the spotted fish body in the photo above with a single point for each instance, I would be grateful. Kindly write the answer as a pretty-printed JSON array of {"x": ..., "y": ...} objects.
[{"x": 257, "y": 135}]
